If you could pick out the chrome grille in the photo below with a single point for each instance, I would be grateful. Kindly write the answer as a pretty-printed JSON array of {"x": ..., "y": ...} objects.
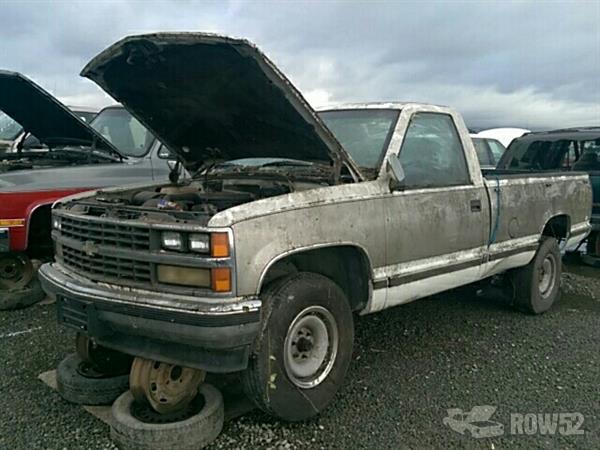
[
  {"x": 101, "y": 233},
  {"x": 102, "y": 267}
]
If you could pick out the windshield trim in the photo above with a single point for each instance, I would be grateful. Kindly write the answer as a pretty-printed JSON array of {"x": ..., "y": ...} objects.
[{"x": 386, "y": 142}]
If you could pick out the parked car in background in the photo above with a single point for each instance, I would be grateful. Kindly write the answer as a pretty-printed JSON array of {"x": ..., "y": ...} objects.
[
  {"x": 504, "y": 135},
  {"x": 571, "y": 149},
  {"x": 115, "y": 149},
  {"x": 489, "y": 151},
  {"x": 258, "y": 268},
  {"x": 12, "y": 133}
]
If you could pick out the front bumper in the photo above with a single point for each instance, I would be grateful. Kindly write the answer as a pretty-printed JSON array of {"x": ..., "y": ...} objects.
[{"x": 213, "y": 334}]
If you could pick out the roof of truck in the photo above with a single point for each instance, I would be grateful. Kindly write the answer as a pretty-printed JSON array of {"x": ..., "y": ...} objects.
[
  {"x": 564, "y": 133},
  {"x": 375, "y": 105}
]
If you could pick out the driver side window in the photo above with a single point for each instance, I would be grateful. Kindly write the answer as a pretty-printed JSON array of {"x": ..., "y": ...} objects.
[{"x": 432, "y": 154}]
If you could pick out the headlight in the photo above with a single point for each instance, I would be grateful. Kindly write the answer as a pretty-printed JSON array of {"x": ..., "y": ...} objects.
[
  {"x": 172, "y": 241},
  {"x": 56, "y": 223},
  {"x": 199, "y": 243}
]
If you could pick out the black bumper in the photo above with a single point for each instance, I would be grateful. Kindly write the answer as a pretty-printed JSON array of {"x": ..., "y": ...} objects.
[{"x": 215, "y": 336}]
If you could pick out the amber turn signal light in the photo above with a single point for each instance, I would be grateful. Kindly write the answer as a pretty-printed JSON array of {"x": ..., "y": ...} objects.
[
  {"x": 219, "y": 245},
  {"x": 220, "y": 279}
]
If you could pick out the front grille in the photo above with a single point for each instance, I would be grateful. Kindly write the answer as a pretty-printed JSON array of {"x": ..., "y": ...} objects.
[
  {"x": 103, "y": 268},
  {"x": 101, "y": 233}
]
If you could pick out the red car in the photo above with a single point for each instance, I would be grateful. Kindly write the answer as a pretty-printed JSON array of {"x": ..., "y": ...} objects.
[{"x": 114, "y": 149}]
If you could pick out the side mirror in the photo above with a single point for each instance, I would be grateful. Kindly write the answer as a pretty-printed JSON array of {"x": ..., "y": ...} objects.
[{"x": 396, "y": 173}]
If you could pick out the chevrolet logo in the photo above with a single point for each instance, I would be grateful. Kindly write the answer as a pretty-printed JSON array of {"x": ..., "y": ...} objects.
[{"x": 89, "y": 248}]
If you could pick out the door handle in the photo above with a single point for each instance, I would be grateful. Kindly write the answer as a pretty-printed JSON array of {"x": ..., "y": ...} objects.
[{"x": 476, "y": 205}]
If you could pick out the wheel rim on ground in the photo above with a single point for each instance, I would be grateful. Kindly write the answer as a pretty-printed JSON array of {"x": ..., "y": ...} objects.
[
  {"x": 165, "y": 387},
  {"x": 547, "y": 275},
  {"x": 310, "y": 347},
  {"x": 16, "y": 271}
]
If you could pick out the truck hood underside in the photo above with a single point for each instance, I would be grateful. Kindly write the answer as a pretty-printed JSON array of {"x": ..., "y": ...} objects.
[{"x": 213, "y": 98}]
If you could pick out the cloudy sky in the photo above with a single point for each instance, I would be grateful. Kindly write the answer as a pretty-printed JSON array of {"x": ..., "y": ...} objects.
[{"x": 534, "y": 64}]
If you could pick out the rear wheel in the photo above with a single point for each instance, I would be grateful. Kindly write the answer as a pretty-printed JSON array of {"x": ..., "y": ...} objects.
[
  {"x": 302, "y": 356},
  {"x": 537, "y": 285}
]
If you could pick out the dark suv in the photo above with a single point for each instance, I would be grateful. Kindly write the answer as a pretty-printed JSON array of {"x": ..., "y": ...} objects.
[{"x": 568, "y": 149}]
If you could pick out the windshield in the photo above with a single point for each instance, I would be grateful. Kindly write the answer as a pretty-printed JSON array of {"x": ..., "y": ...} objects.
[
  {"x": 364, "y": 133},
  {"x": 9, "y": 129},
  {"x": 123, "y": 131}
]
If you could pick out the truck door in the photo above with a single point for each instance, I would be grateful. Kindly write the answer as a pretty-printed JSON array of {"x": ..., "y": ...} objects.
[{"x": 438, "y": 220}]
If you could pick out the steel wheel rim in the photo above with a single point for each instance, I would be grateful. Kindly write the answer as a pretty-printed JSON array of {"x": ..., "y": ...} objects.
[
  {"x": 311, "y": 347},
  {"x": 547, "y": 275},
  {"x": 165, "y": 387},
  {"x": 16, "y": 271}
]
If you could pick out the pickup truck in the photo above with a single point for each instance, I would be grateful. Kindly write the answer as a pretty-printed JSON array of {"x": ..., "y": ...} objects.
[
  {"x": 290, "y": 222},
  {"x": 114, "y": 149},
  {"x": 570, "y": 149}
]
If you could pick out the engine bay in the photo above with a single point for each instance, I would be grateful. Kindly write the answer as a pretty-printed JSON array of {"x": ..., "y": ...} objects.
[{"x": 192, "y": 200}]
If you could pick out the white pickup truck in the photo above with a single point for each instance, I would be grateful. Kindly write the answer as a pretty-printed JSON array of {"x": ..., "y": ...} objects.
[{"x": 292, "y": 221}]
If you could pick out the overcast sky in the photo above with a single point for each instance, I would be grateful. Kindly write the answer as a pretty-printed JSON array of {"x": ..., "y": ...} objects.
[{"x": 531, "y": 64}]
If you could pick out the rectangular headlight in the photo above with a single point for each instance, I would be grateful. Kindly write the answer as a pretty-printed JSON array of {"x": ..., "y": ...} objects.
[
  {"x": 199, "y": 243},
  {"x": 171, "y": 241},
  {"x": 184, "y": 276}
]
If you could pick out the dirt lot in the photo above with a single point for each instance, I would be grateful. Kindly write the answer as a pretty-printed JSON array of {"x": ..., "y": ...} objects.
[{"x": 411, "y": 364}]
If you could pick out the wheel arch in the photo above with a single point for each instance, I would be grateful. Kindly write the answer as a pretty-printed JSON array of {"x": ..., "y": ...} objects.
[
  {"x": 347, "y": 264},
  {"x": 558, "y": 226},
  {"x": 39, "y": 218}
]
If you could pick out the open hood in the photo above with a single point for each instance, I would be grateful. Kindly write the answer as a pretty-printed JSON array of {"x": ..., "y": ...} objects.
[
  {"x": 42, "y": 115},
  {"x": 210, "y": 97}
]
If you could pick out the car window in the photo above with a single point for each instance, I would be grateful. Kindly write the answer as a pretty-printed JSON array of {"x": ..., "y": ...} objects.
[
  {"x": 561, "y": 154},
  {"x": 364, "y": 133},
  {"x": 9, "y": 129},
  {"x": 497, "y": 149},
  {"x": 590, "y": 156},
  {"x": 432, "y": 154},
  {"x": 124, "y": 131},
  {"x": 85, "y": 115},
  {"x": 483, "y": 153}
]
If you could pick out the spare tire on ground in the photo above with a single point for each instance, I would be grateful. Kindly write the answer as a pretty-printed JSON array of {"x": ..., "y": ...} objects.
[
  {"x": 19, "y": 285},
  {"x": 136, "y": 426},
  {"x": 22, "y": 298},
  {"x": 79, "y": 383}
]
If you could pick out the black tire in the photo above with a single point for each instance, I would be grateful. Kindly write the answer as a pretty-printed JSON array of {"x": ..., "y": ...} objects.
[
  {"x": 268, "y": 381},
  {"x": 22, "y": 298},
  {"x": 102, "y": 359},
  {"x": 77, "y": 388},
  {"x": 195, "y": 432},
  {"x": 528, "y": 295}
]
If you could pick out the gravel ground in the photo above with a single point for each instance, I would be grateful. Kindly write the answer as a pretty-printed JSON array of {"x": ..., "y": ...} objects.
[{"x": 411, "y": 364}]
